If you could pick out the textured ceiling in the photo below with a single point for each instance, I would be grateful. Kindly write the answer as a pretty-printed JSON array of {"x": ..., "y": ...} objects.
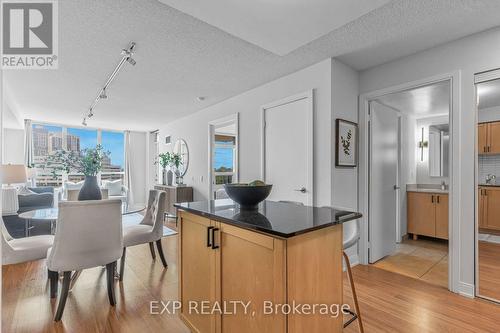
[
  {"x": 421, "y": 102},
  {"x": 180, "y": 57},
  {"x": 279, "y": 26}
]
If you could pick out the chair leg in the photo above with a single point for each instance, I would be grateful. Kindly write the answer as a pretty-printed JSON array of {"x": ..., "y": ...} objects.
[
  {"x": 160, "y": 252},
  {"x": 64, "y": 295},
  {"x": 110, "y": 277},
  {"x": 353, "y": 289},
  {"x": 54, "y": 280},
  {"x": 152, "y": 250},
  {"x": 122, "y": 263}
]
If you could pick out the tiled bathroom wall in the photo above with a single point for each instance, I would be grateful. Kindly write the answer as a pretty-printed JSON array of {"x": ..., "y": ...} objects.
[{"x": 489, "y": 164}]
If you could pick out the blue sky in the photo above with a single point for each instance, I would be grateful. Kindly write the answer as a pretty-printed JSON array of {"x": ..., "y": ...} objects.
[{"x": 223, "y": 157}]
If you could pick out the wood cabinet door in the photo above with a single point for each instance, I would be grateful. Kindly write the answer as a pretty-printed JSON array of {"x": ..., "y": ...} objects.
[
  {"x": 482, "y": 138},
  {"x": 441, "y": 202},
  {"x": 492, "y": 209},
  {"x": 421, "y": 214},
  {"x": 481, "y": 208},
  {"x": 494, "y": 138},
  {"x": 251, "y": 268},
  {"x": 197, "y": 277}
]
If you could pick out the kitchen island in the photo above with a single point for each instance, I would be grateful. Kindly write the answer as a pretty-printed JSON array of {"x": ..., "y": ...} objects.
[{"x": 275, "y": 269}]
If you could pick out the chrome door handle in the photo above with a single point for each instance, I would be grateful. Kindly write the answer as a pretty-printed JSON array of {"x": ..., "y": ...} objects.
[
  {"x": 396, "y": 187},
  {"x": 301, "y": 190}
]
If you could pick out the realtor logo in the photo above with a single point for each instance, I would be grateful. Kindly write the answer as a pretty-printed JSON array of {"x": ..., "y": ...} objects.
[{"x": 29, "y": 34}]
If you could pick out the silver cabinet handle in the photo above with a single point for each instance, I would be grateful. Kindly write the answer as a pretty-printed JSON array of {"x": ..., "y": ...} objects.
[{"x": 302, "y": 190}]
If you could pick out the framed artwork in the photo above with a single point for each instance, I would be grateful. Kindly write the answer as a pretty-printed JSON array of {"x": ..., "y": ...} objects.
[{"x": 346, "y": 146}]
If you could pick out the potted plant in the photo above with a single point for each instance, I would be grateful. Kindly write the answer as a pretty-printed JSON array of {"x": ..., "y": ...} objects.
[
  {"x": 167, "y": 175},
  {"x": 176, "y": 162},
  {"x": 172, "y": 161},
  {"x": 88, "y": 162}
]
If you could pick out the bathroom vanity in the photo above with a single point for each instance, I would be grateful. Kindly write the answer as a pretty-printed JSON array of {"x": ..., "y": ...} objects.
[{"x": 280, "y": 254}]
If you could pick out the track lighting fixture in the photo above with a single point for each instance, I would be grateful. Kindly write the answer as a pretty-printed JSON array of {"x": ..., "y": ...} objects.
[{"x": 126, "y": 57}]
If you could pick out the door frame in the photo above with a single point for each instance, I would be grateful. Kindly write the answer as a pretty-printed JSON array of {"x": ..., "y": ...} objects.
[
  {"x": 455, "y": 169},
  {"x": 235, "y": 117},
  {"x": 309, "y": 95}
]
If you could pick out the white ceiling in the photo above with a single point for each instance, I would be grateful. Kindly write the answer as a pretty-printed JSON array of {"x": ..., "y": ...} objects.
[
  {"x": 180, "y": 57},
  {"x": 421, "y": 102},
  {"x": 488, "y": 94},
  {"x": 279, "y": 26}
]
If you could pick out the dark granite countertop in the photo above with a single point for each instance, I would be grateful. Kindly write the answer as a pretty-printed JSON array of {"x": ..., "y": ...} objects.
[{"x": 274, "y": 218}]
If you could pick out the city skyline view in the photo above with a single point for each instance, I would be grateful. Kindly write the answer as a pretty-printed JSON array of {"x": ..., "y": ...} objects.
[{"x": 48, "y": 138}]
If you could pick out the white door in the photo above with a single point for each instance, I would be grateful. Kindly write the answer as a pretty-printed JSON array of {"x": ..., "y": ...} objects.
[
  {"x": 383, "y": 181},
  {"x": 288, "y": 148}
]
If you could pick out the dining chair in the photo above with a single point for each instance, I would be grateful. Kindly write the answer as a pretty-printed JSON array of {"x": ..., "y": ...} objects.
[
  {"x": 18, "y": 250},
  {"x": 88, "y": 234},
  {"x": 149, "y": 230},
  {"x": 351, "y": 236}
]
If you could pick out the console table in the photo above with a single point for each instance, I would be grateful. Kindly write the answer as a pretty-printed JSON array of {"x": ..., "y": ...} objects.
[{"x": 175, "y": 194}]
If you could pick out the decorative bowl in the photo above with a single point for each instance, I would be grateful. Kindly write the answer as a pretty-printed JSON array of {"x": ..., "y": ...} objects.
[{"x": 248, "y": 196}]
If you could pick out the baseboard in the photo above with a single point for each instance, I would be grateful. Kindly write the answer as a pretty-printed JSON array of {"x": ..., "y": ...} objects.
[{"x": 466, "y": 289}]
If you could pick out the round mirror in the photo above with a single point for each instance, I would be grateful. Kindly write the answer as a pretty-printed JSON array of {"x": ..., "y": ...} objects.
[{"x": 181, "y": 148}]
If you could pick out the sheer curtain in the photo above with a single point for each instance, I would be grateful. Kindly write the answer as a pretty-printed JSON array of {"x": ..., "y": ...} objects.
[
  {"x": 28, "y": 142},
  {"x": 128, "y": 168}
]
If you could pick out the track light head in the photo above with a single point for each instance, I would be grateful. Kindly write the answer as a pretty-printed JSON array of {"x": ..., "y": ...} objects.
[
  {"x": 103, "y": 95},
  {"x": 84, "y": 122},
  {"x": 131, "y": 61}
]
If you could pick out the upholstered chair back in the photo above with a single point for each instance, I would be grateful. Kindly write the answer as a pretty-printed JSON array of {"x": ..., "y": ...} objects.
[
  {"x": 154, "y": 211},
  {"x": 88, "y": 234},
  {"x": 7, "y": 250}
]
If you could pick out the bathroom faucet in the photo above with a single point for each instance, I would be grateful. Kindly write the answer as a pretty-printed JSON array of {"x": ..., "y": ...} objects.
[
  {"x": 490, "y": 179},
  {"x": 443, "y": 185}
]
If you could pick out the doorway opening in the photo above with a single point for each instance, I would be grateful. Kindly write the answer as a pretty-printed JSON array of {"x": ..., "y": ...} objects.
[
  {"x": 409, "y": 175},
  {"x": 487, "y": 185},
  {"x": 223, "y": 155}
]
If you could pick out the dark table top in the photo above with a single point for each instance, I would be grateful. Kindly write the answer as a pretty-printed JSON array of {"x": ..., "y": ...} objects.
[{"x": 274, "y": 218}]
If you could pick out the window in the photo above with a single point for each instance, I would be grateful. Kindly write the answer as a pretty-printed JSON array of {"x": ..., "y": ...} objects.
[
  {"x": 78, "y": 139},
  {"x": 114, "y": 143},
  {"x": 223, "y": 162},
  {"x": 48, "y": 139}
]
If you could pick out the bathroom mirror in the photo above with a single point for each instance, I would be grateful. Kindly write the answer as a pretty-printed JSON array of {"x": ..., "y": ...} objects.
[
  {"x": 181, "y": 148},
  {"x": 439, "y": 140}
]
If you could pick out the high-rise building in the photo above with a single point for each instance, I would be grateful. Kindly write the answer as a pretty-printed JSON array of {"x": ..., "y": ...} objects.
[
  {"x": 54, "y": 142},
  {"x": 40, "y": 141},
  {"x": 73, "y": 142}
]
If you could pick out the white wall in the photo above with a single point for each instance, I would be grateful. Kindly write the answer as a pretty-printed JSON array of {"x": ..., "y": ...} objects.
[
  {"x": 139, "y": 159},
  {"x": 345, "y": 89},
  {"x": 13, "y": 146},
  {"x": 194, "y": 128},
  {"x": 470, "y": 55}
]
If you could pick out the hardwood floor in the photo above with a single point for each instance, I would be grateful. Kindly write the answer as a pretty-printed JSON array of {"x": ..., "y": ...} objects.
[
  {"x": 389, "y": 302},
  {"x": 424, "y": 259},
  {"x": 396, "y": 303},
  {"x": 489, "y": 269}
]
